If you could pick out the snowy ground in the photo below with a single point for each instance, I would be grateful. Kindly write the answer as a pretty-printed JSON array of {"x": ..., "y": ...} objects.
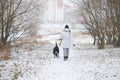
[
  {"x": 83, "y": 64},
  {"x": 36, "y": 62}
]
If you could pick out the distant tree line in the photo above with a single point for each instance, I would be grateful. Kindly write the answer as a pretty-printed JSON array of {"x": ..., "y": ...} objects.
[{"x": 102, "y": 20}]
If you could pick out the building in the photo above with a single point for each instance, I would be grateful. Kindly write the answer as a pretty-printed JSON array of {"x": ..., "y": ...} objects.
[{"x": 53, "y": 11}]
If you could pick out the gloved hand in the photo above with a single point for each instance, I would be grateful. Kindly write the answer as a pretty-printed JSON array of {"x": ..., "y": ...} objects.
[{"x": 59, "y": 44}]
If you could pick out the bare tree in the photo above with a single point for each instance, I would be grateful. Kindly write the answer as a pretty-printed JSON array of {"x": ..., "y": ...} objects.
[
  {"x": 16, "y": 16},
  {"x": 90, "y": 9},
  {"x": 114, "y": 12},
  {"x": 102, "y": 19}
]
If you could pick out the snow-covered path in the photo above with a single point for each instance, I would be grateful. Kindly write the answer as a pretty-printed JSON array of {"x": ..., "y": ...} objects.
[
  {"x": 58, "y": 69},
  {"x": 84, "y": 63}
]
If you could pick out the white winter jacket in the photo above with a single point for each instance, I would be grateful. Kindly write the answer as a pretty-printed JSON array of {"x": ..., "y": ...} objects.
[{"x": 66, "y": 38}]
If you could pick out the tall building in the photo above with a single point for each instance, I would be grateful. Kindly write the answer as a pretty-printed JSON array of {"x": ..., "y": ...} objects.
[{"x": 53, "y": 11}]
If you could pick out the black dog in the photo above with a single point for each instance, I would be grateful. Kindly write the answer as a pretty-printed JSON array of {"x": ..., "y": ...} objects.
[{"x": 56, "y": 51}]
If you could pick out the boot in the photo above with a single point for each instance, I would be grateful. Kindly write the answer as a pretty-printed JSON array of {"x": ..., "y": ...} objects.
[{"x": 65, "y": 58}]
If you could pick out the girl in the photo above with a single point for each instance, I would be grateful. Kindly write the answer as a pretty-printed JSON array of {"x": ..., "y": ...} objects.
[{"x": 66, "y": 40}]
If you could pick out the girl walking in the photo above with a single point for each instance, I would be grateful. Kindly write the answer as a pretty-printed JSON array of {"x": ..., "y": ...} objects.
[{"x": 66, "y": 40}]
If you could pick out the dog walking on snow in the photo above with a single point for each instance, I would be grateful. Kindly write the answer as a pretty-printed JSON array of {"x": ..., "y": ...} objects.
[{"x": 56, "y": 51}]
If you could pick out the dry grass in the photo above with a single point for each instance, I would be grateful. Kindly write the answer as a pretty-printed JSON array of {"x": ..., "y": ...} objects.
[
  {"x": 79, "y": 35},
  {"x": 30, "y": 40},
  {"x": 5, "y": 52},
  {"x": 16, "y": 75},
  {"x": 22, "y": 42},
  {"x": 2, "y": 66},
  {"x": 28, "y": 44},
  {"x": 5, "y": 56}
]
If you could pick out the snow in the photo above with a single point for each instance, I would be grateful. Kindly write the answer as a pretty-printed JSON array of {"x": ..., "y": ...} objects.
[
  {"x": 86, "y": 62},
  {"x": 83, "y": 64}
]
